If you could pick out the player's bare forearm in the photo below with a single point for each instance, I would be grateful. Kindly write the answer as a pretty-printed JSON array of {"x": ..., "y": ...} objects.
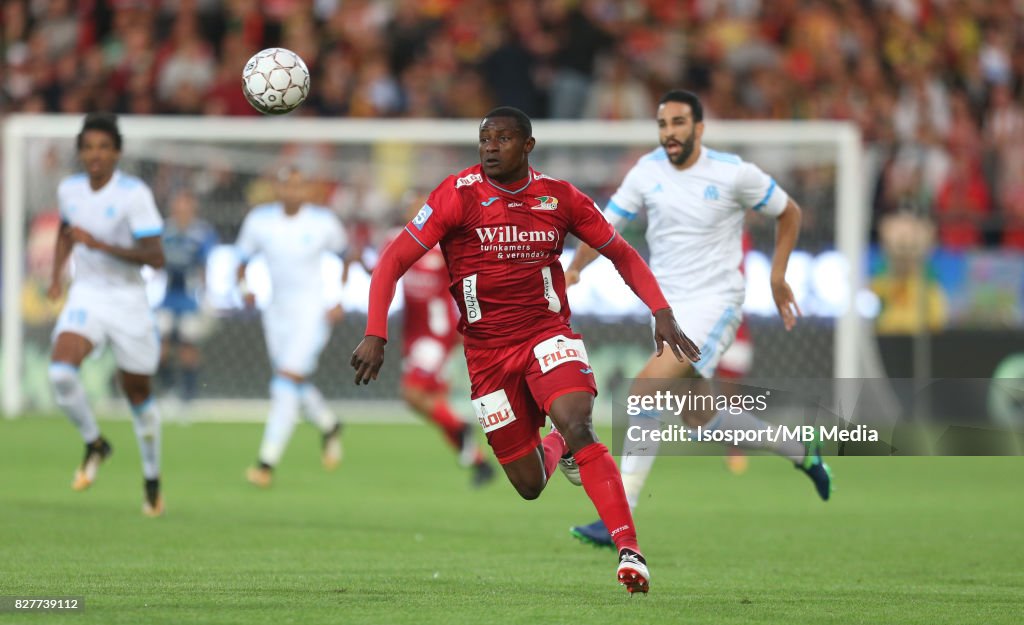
[
  {"x": 61, "y": 252},
  {"x": 787, "y": 231},
  {"x": 584, "y": 256}
]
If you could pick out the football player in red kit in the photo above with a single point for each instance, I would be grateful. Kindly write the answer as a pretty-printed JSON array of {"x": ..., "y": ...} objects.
[{"x": 501, "y": 226}]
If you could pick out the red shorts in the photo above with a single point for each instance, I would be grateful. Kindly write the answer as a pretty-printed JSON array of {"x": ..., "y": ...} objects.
[{"x": 513, "y": 388}]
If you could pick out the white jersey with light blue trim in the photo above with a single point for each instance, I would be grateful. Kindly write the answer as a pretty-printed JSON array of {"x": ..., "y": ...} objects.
[
  {"x": 293, "y": 248},
  {"x": 695, "y": 219},
  {"x": 118, "y": 214}
]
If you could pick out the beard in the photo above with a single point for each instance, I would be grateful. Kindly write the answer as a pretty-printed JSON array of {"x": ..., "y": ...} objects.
[{"x": 687, "y": 149}]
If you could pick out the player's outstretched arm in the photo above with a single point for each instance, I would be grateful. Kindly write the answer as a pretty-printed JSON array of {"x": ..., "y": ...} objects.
[
  {"x": 394, "y": 261},
  {"x": 787, "y": 230},
  {"x": 148, "y": 251},
  {"x": 61, "y": 251}
]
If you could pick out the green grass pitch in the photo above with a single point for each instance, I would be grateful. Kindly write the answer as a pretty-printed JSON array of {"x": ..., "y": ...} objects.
[{"x": 397, "y": 536}]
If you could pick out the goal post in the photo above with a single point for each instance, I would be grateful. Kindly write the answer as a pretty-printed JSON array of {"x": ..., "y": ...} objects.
[{"x": 824, "y": 156}]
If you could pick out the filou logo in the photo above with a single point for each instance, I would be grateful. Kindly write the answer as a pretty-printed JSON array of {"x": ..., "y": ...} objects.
[
  {"x": 562, "y": 352},
  {"x": 493, "y": 420},
  {"x": 512, "y": 234}
]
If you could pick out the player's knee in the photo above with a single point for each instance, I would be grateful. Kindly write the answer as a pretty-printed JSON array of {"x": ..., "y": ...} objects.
[
  {"x": 528, "y": 491},
  {"x": 578, "y": 433},
  {"x": 63, "y": 378}
]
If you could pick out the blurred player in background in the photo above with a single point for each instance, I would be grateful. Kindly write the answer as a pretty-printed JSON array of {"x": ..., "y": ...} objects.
[
  {"x": 429, "y": 334},
  {"x": 187, "y": 241},
  {"x": 501, "y": 227},
  {"x": 696, "y": 201},
  {"x": 110, "y": 226},
  {"x": 292, "y": 236}
]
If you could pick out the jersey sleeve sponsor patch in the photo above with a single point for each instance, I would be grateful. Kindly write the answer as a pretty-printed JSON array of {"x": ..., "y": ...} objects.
[
  {"x": 559, "y": 350},
  {"x": 421, "y": 217}
]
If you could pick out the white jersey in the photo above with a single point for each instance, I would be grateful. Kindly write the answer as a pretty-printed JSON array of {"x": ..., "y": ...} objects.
[
  {"x": 293, "y": 248},
  {"x": 695, "y": 219},
  {"x": 118, "y": 214}
]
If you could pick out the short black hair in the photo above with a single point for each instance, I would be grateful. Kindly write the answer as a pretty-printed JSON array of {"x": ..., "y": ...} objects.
[
  {"x": 522, "y": 119},
  {"x": 103, "y": 122},
  {"x": 685, "y": 97}
]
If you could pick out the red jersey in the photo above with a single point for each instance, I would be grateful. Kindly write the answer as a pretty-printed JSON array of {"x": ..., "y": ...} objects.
[
  {"x": 502, "y": 248},
  {"x": 428, "y": 307}
]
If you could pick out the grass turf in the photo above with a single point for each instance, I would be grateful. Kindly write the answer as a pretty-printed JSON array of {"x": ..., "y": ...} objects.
[{"x": 396, "y": 536}]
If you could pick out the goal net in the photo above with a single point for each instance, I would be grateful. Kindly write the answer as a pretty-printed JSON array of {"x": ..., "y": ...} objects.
[{"x": 370, "y": 172}]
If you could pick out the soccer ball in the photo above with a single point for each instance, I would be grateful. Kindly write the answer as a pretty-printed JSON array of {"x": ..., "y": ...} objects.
[{"x": 275, "y": 81}]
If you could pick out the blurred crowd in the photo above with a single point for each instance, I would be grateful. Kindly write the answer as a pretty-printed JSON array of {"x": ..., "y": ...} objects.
[{"x": 934, "y": 84}]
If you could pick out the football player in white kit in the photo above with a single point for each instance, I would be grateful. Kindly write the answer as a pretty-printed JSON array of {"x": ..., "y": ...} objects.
[
  {"x": 110, "y": 227},
  {"x": 292, "y": 235},
  {"x": 696, "y": 200}
]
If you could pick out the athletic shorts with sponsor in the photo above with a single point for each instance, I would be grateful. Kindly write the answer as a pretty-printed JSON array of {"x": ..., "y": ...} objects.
[{"x": 513, "y": 388}]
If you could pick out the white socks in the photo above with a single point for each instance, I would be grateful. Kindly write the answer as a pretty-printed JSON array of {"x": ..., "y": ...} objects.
[
  {"x": 284, "y": 411},
  {"x": 315, "y": 408},
  {"x": 69, "y": 394},
  {"x": 638, "y": 458},
  {"x": 146, "y": 420}
]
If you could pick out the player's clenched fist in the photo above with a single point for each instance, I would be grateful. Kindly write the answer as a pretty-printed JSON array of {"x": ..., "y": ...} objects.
[{"x": 368, "y": 358}]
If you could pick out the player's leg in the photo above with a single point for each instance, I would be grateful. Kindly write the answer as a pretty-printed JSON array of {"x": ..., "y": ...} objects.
[
  {"x": 69, "y": 350},
  {"x": 136, "y": 347},
  {"x": 167, "y": 324},
  {"x": 299, "y": 362},
  {"x": 319, "y": 413},
  {"x": 193, "y": 328},
  {"x": 637, "y": 461},
  {"x": 561, "y": 380},
  {"x": 285, "y": 402},
  {"x": 571, "y": 414},
  {"x": 280, "y": 332},
  {"x": 511, "y": 419},
  {"x": 805, "y": 457}
]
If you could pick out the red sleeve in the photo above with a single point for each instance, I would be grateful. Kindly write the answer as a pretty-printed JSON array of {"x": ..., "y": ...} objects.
[
  {"x": 394, "y": 261},
  {"x": 437, "y": 216},
  {"x": 634, "y": 272}
]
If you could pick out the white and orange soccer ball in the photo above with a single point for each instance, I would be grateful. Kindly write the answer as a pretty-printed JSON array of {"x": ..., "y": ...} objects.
[{"x": 275, "y": 81}]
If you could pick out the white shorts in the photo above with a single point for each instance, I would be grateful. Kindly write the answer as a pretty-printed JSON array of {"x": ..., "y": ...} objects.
[
  {"x": 295, "y": 339},
  {"x": 125, "y": 320},
  {"x": 711, "y": 325},
  {"x": 190, "y": 327}
]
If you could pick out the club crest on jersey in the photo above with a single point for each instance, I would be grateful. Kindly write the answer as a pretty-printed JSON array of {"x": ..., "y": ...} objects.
[
  {"x": 545, "y": 203},
  {"x": 711, "y": 192},
  {"x": 421, "y": 217},
  {"x": 559, "y": 350},
  {"x": 465, "y": 181}
]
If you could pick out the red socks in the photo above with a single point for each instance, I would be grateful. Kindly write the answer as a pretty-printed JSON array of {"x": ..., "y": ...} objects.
[
  {"x": 554, "y": 448},
  {"x": 603, "y": 484},
  {"x": 450, "y": 424}
]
